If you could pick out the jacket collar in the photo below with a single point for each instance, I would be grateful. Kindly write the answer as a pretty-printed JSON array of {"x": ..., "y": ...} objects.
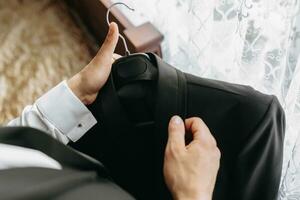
[{"x": 168, "y": 99}]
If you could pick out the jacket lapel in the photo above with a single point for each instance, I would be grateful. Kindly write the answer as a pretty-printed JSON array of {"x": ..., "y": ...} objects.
[
  {"x": 171, "y": 99},
  {"x": 171, "y": 96}
]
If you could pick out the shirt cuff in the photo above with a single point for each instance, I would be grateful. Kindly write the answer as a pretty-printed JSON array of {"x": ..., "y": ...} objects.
[{"x": 62, "y": 108}]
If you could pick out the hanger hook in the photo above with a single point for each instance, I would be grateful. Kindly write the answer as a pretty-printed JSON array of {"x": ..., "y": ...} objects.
[{"x": 107, "y": 20}]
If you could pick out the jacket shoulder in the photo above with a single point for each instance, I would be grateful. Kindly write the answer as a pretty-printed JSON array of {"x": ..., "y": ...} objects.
[
  {"x": 232, "y": 102},
  {"x": 236, "y": 90}
]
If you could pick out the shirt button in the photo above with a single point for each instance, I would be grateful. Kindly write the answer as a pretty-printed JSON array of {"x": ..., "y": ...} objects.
[{"x": 79, "y": 125}]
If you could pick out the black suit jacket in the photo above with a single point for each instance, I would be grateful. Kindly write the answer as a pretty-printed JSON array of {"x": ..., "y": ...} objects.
[
  {"x": 81, "y": 177},
  {"x": 248, "y": 127}
]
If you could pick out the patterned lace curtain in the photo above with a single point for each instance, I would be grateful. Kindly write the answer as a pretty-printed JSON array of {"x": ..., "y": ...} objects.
[{"x": 252, "y": 42}]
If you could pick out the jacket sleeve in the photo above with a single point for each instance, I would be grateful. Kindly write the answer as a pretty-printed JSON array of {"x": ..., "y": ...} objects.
[
  {"x": 59, "y": 113},
  {"x": 259, "y": 162}
]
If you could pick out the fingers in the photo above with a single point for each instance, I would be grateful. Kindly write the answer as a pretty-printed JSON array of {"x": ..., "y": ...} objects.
[
  {"x": 176, "y": 132},
  {"x": 199, "y": 131},
  {"x": 105, "y": 54},
  {"x": 195, "y": 126}
]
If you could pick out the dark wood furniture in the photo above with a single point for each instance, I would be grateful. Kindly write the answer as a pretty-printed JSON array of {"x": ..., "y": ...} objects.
[{"x": 91, "y": 16}]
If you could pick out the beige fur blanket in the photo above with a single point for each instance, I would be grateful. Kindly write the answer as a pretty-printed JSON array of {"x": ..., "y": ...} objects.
[{"x": 40, "y": 46}]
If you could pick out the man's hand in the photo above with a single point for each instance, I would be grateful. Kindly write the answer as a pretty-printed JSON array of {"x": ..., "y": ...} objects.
[
  {"x": 190, "y": 171},
  {"x": 87, "y": 83}
]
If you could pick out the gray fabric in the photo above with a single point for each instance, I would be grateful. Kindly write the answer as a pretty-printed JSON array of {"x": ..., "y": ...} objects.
[{"x": 80, "y": 178}]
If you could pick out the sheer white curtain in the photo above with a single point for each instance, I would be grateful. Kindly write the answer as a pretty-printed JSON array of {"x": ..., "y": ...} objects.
[{"x": 253, "y": 42}]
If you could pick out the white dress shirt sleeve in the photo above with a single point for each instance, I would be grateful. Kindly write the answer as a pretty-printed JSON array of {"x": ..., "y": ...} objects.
[
  {"x": 59, "y": 113},
  {"x": 12, "y": 156}
]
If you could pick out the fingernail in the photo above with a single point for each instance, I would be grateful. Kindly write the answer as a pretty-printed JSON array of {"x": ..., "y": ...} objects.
[
  {"x": 112, "y": 24},
  {"x": 110, "y": 29},
  {"x": 176, "y": 120}
]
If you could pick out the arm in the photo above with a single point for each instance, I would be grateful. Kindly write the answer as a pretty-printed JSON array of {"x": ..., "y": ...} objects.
[
  {"x": 61, "y": 112},
  {"x": 259, "y": 161}
]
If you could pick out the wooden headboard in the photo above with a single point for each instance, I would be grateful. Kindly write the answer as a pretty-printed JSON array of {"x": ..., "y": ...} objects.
[{"x": 91, "y": 16}]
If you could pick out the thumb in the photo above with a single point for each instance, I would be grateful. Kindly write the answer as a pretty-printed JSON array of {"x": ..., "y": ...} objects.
[
  {"x": 105, "y": 54},
  {"x": 176, "y": 132}
]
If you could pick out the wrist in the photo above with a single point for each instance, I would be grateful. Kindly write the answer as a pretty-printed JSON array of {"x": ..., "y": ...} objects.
[{"x": 75, "y": 84}]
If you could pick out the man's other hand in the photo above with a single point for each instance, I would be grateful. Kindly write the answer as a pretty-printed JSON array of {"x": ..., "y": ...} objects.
[
  {"x": 190, "y": 170},
  {"x": 87, "y": 83}
]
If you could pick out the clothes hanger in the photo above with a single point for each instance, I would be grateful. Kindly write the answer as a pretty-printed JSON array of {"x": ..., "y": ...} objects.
[
  {"x": 131, "y": 67},
  {"x": 127, "y": 52},
  {"x": 134, "y": 76}
]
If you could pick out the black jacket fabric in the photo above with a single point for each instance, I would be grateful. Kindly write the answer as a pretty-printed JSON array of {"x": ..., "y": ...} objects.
[
  {"x": 248, "y": 127},
  {"x": 81, "y": 177}
]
